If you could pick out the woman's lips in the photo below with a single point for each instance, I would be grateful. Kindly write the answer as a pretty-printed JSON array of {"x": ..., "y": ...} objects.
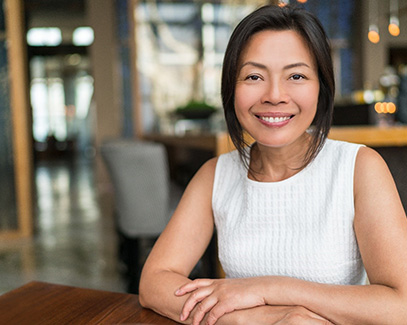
[{"x": 275, "y": 120}]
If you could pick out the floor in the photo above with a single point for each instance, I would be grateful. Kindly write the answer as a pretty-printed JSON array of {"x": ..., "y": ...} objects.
[{"x": 74, "y": 242}]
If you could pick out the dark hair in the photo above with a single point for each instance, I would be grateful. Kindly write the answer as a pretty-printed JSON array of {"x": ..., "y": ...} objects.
[{"x": 277, "y": 18}]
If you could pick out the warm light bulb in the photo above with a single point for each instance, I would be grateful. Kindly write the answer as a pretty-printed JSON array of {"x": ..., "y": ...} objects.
[
  {"x": 379, "y": 107},
  {"x": 391, "y": 108},
  {"x": 373, "y": 36},
  {"x": 394, "y": 28},
  {"x": 302, "y": 1}
]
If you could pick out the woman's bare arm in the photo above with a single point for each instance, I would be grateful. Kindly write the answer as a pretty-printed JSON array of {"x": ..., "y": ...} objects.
[
  {"x": 180, "y": 246},
  {"x": 381, "y": 231}
]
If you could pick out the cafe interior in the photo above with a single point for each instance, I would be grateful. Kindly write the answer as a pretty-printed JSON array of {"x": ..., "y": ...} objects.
[{"x": 109, "y": 107}]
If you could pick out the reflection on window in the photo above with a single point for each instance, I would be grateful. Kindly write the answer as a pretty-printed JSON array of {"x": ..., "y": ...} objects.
[
  {"x": 84, "y": 91},
  {"x": 180, "y": 48},
  {"x": 40, "y": 109},
  {"x": 56, "y": 100},
  {"x": 47, "y": 99},
  {"x": 44, "y": 36},
  {"x": 61, "y": 94},
  {"x": 83, "y": 36}
]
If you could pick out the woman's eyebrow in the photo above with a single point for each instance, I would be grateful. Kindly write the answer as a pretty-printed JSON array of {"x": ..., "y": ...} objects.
[
  {"x": 287, "y": 67},
  {"x": 255, "y": 64},
  {"x": 295, "y": 65}
]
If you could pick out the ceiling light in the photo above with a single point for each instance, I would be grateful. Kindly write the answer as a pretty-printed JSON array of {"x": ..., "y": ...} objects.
[
  {"x": 83, "y": 36},
  {"x": 44, "y": 36}
]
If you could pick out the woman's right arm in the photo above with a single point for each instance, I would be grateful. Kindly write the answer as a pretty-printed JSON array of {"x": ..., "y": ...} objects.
[
  {"x": 276, "y": 315},
  {"x": 180, "y": 246}
]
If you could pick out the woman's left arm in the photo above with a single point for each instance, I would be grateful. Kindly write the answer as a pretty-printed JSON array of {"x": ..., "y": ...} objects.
[{"x": 381, "y": 230}]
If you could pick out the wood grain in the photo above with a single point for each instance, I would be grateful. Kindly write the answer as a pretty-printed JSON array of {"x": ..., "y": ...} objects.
[{"x": 45, "y": 303}]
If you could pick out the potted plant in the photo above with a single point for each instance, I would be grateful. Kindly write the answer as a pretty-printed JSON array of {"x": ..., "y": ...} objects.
[{"x": 195, "y": 110}]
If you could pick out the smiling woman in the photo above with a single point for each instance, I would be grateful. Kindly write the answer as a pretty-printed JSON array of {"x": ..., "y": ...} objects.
[
  {"x": 314, "y": 45},
  {"x": 298, "y": 222},
  {"x": 277, "y": 89}
]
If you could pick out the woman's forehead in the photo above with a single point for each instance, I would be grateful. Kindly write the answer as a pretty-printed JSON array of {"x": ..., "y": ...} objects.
[{"x": 281, "y": 46}]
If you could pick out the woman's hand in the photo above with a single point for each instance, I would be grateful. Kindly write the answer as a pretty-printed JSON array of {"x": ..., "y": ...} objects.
[
  {"x": 298, "y": 315},
  {"x": 214, "y": 298},
  {"x": 267, "y": 315}
]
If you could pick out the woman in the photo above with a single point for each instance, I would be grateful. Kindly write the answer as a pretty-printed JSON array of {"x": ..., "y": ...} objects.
[{"x": 300, "y": 219}]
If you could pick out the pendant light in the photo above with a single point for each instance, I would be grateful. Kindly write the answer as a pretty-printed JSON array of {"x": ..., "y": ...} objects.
[
  {"x": 373, "y": 34},
  {"x": 394, "y": 24}
]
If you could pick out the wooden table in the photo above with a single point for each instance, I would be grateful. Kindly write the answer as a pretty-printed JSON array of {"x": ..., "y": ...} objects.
[{"x": 45, "y": 303}]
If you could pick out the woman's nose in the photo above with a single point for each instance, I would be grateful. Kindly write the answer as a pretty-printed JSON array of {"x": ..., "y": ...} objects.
[{"x": 275, "y": 93}]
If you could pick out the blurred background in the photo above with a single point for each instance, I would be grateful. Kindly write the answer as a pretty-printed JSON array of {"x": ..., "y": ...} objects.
[{"x": 76, "y": 73}]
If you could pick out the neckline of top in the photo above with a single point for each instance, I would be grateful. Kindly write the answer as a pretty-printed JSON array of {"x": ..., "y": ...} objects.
[{"x": 284, "y": 181}]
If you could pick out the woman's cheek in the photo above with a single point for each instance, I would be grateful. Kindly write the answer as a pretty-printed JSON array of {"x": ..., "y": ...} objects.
[{"x": 245, "y": 97}]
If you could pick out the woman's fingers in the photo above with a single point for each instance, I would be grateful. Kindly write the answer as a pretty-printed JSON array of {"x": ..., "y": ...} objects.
[
  {"x": 195, "y": 297},
  {"x": 193, "y": 285},
  {"x": 299, "y": 315},
  {"x": 217, "y": 312},
  {"x": 202, "y": 309},
  {"x": 212, "y": 308}
]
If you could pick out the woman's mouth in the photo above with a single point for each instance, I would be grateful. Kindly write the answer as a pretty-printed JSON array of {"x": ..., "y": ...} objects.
[{"x": 277, "y": 119}]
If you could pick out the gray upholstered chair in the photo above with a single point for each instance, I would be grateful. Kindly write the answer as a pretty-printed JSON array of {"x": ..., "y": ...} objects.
[{"x": 144, "y": 198}]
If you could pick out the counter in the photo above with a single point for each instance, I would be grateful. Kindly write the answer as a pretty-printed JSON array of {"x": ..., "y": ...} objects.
[{"x": 219, "y": 143}]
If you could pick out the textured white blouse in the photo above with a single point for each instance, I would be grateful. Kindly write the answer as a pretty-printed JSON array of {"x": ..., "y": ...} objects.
[{"x": 300, "y": 227}]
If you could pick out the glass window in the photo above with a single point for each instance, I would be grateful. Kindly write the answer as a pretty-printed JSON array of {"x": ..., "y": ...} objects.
[{"x": 180, "y": 48}]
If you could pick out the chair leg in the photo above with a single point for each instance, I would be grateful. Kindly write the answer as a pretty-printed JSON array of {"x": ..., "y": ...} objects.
[
  {"x": 133, "y": 252},
  {"x": 134, "y": 266},
  {"x": 129, "y": 254}
]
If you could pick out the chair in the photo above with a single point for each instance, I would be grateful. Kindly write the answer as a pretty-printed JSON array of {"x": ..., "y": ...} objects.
[{"x": 144, "y": 198}]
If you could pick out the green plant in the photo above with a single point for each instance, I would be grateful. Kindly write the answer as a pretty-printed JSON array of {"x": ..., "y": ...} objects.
[{"x": 195, "y": 110}]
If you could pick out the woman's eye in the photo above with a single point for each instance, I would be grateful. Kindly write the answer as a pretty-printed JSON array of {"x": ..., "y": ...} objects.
[
  {"x": 297, "y": 77},
  {"x": 253, "y": 77}
]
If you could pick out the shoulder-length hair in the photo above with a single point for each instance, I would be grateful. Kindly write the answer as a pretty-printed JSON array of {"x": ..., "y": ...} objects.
[{"x": 277, "y": 18}]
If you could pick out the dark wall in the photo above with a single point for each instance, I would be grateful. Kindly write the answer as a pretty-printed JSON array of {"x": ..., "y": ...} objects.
[
  {"x": 8, "y": 209},
  {"x": 396, "y": 158}
]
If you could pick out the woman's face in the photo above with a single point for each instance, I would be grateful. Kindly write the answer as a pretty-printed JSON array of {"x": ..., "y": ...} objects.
[{"x": 277, "y": 88}]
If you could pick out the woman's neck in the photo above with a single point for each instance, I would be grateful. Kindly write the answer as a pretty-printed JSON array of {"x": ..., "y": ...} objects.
[{"x": 268, "y": 164}]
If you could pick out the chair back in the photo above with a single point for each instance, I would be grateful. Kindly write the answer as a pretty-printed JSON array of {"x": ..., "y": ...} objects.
[{"x": 140, "y": 178}]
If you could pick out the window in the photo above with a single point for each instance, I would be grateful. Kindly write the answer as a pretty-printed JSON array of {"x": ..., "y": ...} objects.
[{"x": 180, "y": 48}]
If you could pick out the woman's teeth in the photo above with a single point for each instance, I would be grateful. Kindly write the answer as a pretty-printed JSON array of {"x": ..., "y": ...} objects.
[{"x": 275, "y": 119}]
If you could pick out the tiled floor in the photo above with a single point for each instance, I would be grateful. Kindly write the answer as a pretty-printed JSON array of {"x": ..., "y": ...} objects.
[{"x": 74, "y": 240}]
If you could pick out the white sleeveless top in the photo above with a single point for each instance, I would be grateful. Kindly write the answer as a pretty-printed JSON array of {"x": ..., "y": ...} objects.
[{"x": 300, "y": 227}]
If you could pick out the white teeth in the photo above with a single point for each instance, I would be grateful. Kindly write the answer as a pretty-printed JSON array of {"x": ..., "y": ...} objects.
[{"x": 274, "y": 119}]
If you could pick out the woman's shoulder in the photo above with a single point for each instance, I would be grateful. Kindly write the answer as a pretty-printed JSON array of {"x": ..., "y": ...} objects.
[
  {"x": 338, "y": 153},
  {"x": 207, "y": 170},
  {"x": 209, "y": 166},
  {"x": 335, "y": 145},
  {"x": 200, "y": 187},
  {"x": 231, "y": 155},
  {"x": 234, "y": 159},
  {"x": 369, "y": 161},
  {"x": 371, "y": 173}
]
